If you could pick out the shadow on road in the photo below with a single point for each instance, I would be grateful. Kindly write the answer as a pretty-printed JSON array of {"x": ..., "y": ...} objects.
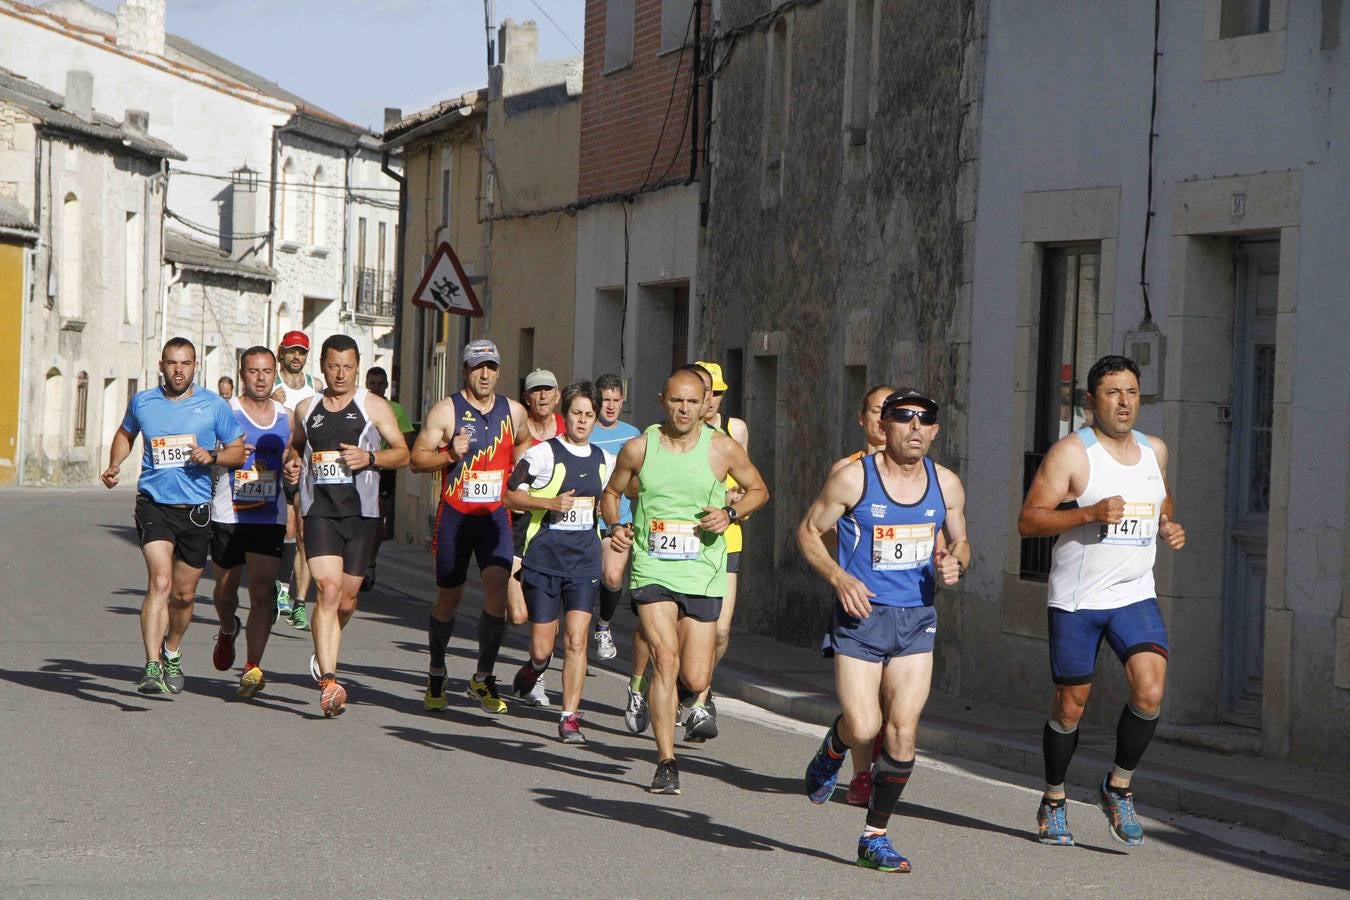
[
  {"x": 943, "y": 817},
  {"x": 85, "y": 681}
]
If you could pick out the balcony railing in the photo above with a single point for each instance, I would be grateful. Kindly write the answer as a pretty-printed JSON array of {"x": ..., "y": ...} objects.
[{"x": 374, "y": 292}]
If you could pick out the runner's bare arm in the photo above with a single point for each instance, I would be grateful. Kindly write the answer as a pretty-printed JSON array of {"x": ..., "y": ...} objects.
[
  {"x": 520, "y": 426},
  {"x": 232, "y": 455},
  {"x": 1169, "y": 529},
  {"x": 841, "y": 491},
  {"x": 1063, "y": 469},
  {"x": 395, "y": 456},
  {"x": 427, "y": 455},
  {"x": 626, "y": 466},
  {"x": 121, "y": 449},
  {"x": 740, "y": 431},
  {"x": 291, "y": 462},
  {"x": 754, "y": 493},
  {"x": 952, "y": 556}
]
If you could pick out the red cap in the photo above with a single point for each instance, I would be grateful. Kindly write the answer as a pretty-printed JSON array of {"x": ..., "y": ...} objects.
[{"x": 294, "y": 339}]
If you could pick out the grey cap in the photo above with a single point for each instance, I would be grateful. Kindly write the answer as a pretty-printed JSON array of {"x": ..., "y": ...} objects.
[
  {"x": 907, "y": 396},
  {"x": 540, "y": 378},
  {"x": 481, "y": 351}
]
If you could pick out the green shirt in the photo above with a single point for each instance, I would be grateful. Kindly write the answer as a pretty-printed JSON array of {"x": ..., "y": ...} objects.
[
  {"x": 401, "y": 415},
  {"x": 668, "y": 547}
]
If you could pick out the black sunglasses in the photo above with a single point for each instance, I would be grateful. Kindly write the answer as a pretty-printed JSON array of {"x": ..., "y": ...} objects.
[{"x": 906, "y": 415}]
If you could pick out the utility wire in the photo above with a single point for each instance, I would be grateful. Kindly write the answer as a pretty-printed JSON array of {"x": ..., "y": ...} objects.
[
  {"x": 212, "y": 232},
  {"x": 565, "y": 35},
  {"x": 307, "y": 186},
  {"x": 1152, "y": 137}
]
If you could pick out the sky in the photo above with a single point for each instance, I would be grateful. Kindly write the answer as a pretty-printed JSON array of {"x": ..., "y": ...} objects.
[{"x": 355, "y": 57}]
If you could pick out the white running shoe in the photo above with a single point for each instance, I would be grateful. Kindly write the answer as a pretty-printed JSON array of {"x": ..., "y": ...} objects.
[
  {"x": 537, "y": 696},
  {"x": 604, "y": 644},
  {"x": 314, "y": 668},
  {"x": 635, "y": 717}
]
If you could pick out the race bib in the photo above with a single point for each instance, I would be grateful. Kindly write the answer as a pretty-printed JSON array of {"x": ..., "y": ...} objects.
[
  {"x": 673, "y": 540},
  {"x": 250, "y": 484},
  {"x": 581, "y": 517},
  {"x": 1136, "y": 529},
  {"x": 900, "y": 547},
  {"x": 481, "y": 487},
  {"x": 172, "y": 451},
  {"x": 328, "y": 467}
]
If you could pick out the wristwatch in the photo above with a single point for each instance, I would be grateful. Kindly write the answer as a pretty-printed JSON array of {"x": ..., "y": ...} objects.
[
  {"x": 373, "y": 465},
  {"x": 731, "y": 513},
  {"x": 960, "y": 569},
  {"x": 214, "y": 454}
]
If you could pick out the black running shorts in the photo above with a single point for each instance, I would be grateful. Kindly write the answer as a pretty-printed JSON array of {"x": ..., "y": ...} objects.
[
  {"x": 188, "y": 528},
  {"x": 350, "y": 537},
  {"x": 230, "y": 542}
]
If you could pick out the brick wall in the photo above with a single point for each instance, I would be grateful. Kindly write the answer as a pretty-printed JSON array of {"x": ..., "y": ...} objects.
[{"x": 622, "y": 112}]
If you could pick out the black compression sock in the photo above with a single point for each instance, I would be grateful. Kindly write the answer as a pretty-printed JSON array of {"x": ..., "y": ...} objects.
[
  {"x": 287, "y": 571},
  {"x": 837, "y": 746},
  {"x": 438, "y": 636},
  {"x": 1133, "y": 734},
  {"x": 491, "y": 631},
  {"x": 609, "y": 603},
  {"x": 889, "y": 777},
  {"x": 1057, "y": 747},
  {"x": 686, "y": 696}
]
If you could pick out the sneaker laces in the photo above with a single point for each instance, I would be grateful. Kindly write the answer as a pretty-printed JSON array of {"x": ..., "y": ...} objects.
[
  {"x": 174, "y": 666},
  {"x": 490, "y": 685}
]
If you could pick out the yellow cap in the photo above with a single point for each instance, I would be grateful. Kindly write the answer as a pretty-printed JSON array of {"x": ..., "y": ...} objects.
[{"x": 716, "y": 372}]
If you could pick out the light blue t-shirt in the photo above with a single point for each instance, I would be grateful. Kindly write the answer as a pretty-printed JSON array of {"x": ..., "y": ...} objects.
[
  {"x": 170, "y": 427},
  {"x": 611, "y": 440}
]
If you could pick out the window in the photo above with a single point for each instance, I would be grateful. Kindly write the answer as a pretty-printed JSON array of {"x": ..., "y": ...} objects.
[
  {"x": 445, "y": 191},
  {"x": 131, "y": 271},
  {"x": 318, "y": 210},
  {"x": 72, "y": 258},
  {"x": 289, "y": 226},
  {"x": 53, "y": 411},
  {"x": 776, "y": 112},
  {"x": 618, "y": 34},
  {"x": 379, "y": 250},
  {"x": 679, "y": 340},
  {"x": 81, "y": 407},
  {"x": 526, "y": 357},
  {"x": 1242, "y": 17},
  {"x": 677, "y": 23},
  {"x": 1066, "y": 349},
  {"x": 858, "y": 86},
  {"x": 361, "y": 241}
]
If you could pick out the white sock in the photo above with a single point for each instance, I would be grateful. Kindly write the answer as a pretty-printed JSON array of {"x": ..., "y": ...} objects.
[{"x": 172, "y": 654}]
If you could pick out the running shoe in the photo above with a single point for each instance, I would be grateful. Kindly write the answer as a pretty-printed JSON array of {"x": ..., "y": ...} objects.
[
  {"x": 635, "y": 717},
  {"x": 860, "y": 789},
  {"x": 152, "y": 681},
  {"x": 314, "y": 668},
  {"x": 223, "y": 656},
  {"x": 1118, "y": 804},
  {"x": 332, "y": 697},
  {"x": 1052, "y": 823},
  {"x": 681, "y": 713},
  {"x": 434, "y": 698},
  {"x": 822, "y": 773},
  {"x": 283, "y": 599},
  {"x": 525, "y": 680},
  {"x": 485, "y": 692},
  {"x": 173, "y": 673},
  {"x": 251, "y": 682},
  {"x": 300, "y": 618},
  {"x": 876, "y": 852},
  {"x": 604, "y": 644},
  {"x": 569, "y": 730},
  {"x": 667, "y": 778},
  {"x": 537, "y": 695},
  {"x": 368, "y": 581},
  {"x": 700, "y": 725}
]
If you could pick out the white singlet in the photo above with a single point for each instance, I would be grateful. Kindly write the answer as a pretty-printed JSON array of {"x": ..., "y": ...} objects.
[{"x": 1097, "y": 566}]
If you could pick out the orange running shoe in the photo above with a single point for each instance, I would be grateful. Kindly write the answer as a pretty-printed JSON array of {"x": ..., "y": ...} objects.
[{"x": 332, "y": 697}]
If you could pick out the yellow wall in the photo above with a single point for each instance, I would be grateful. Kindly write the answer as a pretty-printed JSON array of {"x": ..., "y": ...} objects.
[{"x": 11, "y": 346}]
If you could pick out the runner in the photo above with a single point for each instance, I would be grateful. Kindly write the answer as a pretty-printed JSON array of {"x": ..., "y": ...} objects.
[
  {"x": 248, "y": 519},
  {"x": 225, "y": 386},
  {"x": 544, "y": 422},
  {"x": 679, "y": 560},
  {"x": 377, "y": 382},
  {"x": 1103, "y": 492},
  {"x": 186, "y": 431},
  {"x": 887, "y": 509},
  {"x": 292, "y": 386},
  {"x": 610, "y": 435},
  {"x": 555, "y": 485},
  {"x": 473, "y": 434},
  {"x": 334, "y": 458}
]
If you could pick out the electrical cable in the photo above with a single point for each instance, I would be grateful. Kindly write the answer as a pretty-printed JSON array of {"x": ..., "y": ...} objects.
[
  {"x": 565, "y": 35},
  {"x": 1152, "y": 136},
  {"x": 212, "y": 232},
  {"x": 670, "y": 101}
]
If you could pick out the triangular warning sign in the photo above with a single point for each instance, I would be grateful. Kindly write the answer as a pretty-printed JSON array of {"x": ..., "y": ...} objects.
[{"x": 445, "y": 287}]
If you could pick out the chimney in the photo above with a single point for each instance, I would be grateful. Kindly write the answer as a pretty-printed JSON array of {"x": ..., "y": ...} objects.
[
  {"x": 80, "y": 94},
  {"x": 392, "y": 116},
  {"x": 137, "y": 122},
  {"x": 519, "y": 43},
  {"x": 140, "y": 26}
]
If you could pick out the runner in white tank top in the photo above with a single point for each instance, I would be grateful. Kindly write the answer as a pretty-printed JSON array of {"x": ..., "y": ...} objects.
[{"x": 1102, "y": 492}]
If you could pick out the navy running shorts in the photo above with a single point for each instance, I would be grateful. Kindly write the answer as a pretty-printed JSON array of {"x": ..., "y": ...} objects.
[
  {"x": 458, "y": 538},
  {"x": 1076, "y": 637},
  {"x": 548, "y": 596},
  {"x": 733, "y": 562},
  {"x": 887, "y": 633}
]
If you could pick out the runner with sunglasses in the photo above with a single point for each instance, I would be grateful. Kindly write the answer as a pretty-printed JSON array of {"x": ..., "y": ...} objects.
[{"x": 888, "y": 510}]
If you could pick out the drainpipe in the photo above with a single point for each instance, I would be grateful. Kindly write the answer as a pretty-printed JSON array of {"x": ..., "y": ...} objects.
[
  {"x": 347, "y": 210},
  {"x": 398, "y": 274}
]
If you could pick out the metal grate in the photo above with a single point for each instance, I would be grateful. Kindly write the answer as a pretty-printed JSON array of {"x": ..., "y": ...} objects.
[{"x": 1035, "y": 562}]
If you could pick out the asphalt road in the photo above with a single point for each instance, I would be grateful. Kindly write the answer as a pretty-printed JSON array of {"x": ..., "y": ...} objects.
[{"x": 107, "y": 793}]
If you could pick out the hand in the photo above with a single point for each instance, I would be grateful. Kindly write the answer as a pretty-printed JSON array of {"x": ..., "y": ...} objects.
[
  {"x": 201, "y": 456},
  {"x": 279, "y": 395},
  {"x": 853, "y": 595},
  {"x": 621, "y": 538},
  {"x": 1110, "y": 511},
  {"x": 735, "y": 495},
  {"x": 1172, "y": 532},
  {"x": 109, "y": 476},
  {"x": 948, "y": 567},
  {"x": 355, "y": 457},
  {"x": 459, "y": 445},
  {"x": 714, "y": 519},
  {"x": 563, "y": 502},
  {"x": 291, "y": 470}
]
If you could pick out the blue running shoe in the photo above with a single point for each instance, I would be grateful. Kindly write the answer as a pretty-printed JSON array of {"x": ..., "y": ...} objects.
[
  {"x": 1119, "y": 809},
  {"x": 1052, "y": 821},
  {"x": 876, "y": 852},
  {"x": 822, "y": 773}
]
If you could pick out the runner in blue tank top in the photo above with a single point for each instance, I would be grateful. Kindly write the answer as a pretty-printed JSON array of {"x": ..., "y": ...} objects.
[
  {"x": 889, "y": 510},
  {"x": 186, "y": 430},
  {"x": 610, "y": 435}
]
